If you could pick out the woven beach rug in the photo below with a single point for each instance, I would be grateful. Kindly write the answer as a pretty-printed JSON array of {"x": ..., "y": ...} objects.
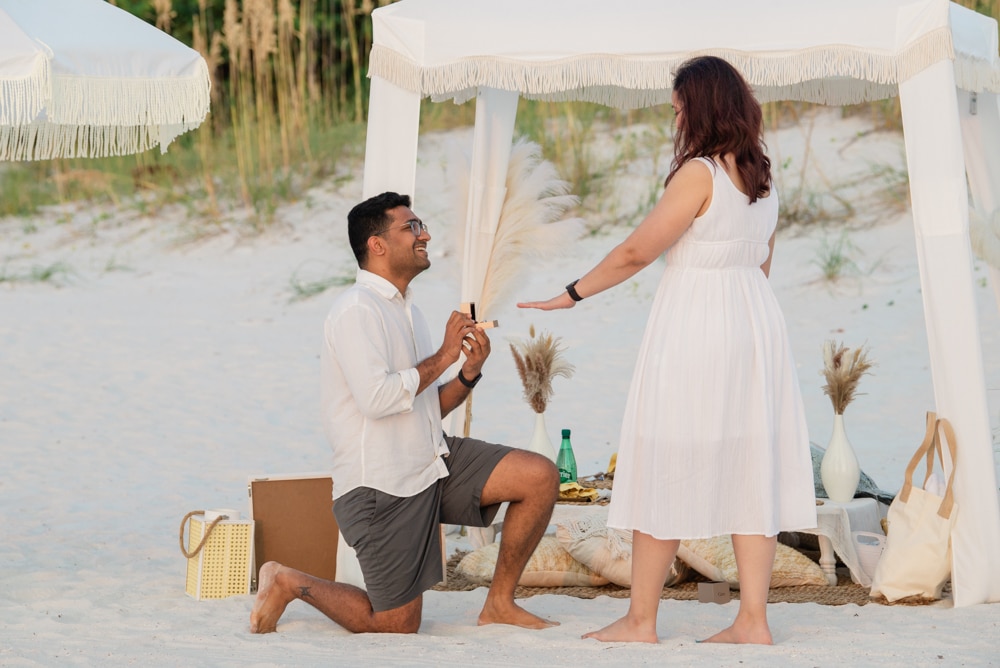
[{"x": 845, "y": 592}]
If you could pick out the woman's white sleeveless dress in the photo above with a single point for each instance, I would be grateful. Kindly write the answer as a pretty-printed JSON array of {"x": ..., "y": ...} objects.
[{"x": 714, "y": 438}]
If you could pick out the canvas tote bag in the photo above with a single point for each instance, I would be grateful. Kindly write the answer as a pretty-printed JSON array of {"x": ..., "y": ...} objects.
[{"x": 917, "y": 556}]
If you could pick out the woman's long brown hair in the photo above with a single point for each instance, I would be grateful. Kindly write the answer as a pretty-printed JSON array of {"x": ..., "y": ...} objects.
[{"x": 721, "y": 116}]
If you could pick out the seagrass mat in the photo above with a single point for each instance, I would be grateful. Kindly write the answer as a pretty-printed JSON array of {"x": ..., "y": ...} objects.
[{"x": 844, "y": 593}]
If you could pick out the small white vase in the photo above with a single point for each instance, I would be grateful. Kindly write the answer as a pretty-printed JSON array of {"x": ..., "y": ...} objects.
[
  {"x": 839, "y": 470},
  {"x": 540, "y": 441}
]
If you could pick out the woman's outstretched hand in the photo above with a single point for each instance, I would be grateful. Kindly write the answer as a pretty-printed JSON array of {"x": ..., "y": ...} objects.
[{"x": 562, "y": 301}]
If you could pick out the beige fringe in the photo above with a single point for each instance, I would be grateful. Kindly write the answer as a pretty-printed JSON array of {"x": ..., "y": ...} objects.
[
  {"x": 131, "y": 102},
  {"x": 632, "y": 82},
  {"x": 22, "y": 100},
  {"x": 976, "y": 75},
  {"x": 97, "y": 118},
  {"x": 44, "y": 141}
]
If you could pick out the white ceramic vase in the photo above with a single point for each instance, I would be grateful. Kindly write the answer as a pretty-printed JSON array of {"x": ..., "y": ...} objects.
[
  {"x": 540, "y": 441},
  {"x": 839, "y": 470}
]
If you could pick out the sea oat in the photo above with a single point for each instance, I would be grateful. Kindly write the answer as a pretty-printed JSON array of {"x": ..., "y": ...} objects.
[
  {"x": 842, "y": 369},
  {"x": 539, "y": 359}
]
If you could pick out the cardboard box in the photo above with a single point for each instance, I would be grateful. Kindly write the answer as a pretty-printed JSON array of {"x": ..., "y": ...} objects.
[
  {"x": 713, "y": 592},
  {"x": 294, "y": 521}
]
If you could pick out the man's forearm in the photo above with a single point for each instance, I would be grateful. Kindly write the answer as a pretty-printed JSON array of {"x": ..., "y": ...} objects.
[
  {"x": 452, "y": 394},
  {"x": 431, "y": 369}
]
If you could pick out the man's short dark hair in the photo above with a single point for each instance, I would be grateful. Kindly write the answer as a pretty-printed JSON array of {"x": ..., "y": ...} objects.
[{"x": 369, "y": 218}]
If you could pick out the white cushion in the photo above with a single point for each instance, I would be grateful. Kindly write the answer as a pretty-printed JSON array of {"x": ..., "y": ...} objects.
[
  {"x": 549, "y": 566},
  {"x": 605, "y": 551}
]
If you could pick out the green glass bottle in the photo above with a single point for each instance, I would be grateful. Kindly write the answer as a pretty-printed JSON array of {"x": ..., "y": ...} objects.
[{"x": 566, "y": 461}]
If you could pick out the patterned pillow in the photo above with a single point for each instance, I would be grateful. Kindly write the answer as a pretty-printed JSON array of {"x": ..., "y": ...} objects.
[
  {"x": 607, "y": 552},
  {"x": 714, "y": 558},
  {"x": 549, "y": 566}
]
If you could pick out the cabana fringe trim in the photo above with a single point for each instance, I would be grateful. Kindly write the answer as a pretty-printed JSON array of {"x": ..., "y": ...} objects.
[
  {"x": 21, "y": 100},
  {"x": 976, "y": 75},
  {"x": 631, "y": 82}
]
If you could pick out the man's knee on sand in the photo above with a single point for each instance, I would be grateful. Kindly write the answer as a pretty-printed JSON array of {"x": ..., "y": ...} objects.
[{"x": 404, "y": 619}]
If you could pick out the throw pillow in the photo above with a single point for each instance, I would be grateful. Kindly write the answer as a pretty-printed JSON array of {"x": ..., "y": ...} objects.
[
  {"x": 714, "y": 558},
  {"x": 549, "y": 566},
  {"x": 605, "y": 551}
]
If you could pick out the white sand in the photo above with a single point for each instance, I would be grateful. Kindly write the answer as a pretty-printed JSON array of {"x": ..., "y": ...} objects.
[{"x": 156, "y": 377}]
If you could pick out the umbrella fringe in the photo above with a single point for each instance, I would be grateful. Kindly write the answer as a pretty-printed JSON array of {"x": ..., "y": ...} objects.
[
  {"x": 860, "y": 74},
  {"x": 132, "y": 102},
  {"x": 21, "y": 100},
  {"x": 44, "y": 141}
]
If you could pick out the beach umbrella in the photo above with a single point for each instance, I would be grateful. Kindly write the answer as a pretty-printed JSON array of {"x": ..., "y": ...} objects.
[
  {"x": 938, "y": 57},
  {"x": 83, "y": 78}
]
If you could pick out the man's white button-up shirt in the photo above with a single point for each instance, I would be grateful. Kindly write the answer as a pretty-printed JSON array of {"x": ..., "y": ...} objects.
[{"x": 383, "y": 434}]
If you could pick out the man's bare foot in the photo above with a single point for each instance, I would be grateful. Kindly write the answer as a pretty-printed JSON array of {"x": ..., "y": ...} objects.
[
  {"x": 743, "y": 635},
  {"x": 624, "y": 630},
  {"x": 271, "y": 601},
  {"x": 514, "y": 615}
]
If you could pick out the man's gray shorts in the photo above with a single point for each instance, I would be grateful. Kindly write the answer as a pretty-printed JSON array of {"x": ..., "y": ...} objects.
[{"x": 397, "y": 540}]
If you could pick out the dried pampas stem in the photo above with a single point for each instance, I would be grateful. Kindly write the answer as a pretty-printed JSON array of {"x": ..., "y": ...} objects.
[
  {"x": 843, "y": 369},
  {"x": 539, "y": 359}
]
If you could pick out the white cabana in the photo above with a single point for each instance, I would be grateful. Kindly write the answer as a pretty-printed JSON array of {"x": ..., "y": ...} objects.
[{"x": 939, "y": 58}]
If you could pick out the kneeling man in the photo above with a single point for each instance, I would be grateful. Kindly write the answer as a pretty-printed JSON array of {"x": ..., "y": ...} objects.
[{"x": 396, "y": 475}]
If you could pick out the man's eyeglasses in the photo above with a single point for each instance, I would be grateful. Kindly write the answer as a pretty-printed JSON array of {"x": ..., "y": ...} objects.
[{"x": 416, "y": 226}]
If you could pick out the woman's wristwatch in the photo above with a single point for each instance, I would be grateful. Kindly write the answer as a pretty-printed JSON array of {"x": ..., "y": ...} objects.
[{"x": 573, "y": 294}]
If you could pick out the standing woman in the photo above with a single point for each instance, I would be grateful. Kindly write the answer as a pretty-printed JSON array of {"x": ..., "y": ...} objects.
[{"x": 714, "y": 437}]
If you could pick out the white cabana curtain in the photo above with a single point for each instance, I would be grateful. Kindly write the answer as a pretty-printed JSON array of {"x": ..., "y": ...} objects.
[{"x": 834, "y": 52}]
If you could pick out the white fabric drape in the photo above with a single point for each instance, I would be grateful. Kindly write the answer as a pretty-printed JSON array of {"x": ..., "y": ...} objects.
[
  {"x": 976, "y": 540},
  {"x": 391, "y": 144},
  {"x": 491, "y": 144},
  {"x": 940, "y": 214},
  {"x": 980, "y": 115}
]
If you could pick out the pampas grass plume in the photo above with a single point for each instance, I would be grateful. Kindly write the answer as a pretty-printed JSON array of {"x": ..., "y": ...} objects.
[
  {"x": 843, "y": 368},
  {"x": 539, "y": 359}
]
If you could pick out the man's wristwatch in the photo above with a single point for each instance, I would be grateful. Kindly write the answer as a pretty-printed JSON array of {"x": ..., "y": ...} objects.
[
  {"x": 469, "y": 383},
  {"x": 573, "y": 294}
]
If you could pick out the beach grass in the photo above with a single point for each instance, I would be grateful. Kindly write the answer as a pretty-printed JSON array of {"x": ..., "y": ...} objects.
[{"x": 288, "y": 111}]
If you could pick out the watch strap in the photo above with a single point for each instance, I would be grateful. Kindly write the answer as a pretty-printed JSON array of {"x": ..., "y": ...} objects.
[
  {"x": 573, "y": 294},
  {"x": 469, "y": 383}
]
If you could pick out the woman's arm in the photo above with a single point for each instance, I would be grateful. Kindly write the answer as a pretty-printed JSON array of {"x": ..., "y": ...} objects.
[{"x": 686, "y": 197}]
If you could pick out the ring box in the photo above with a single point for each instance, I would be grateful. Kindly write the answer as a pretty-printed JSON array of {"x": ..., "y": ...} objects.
[{"x": 713, "y": 592}]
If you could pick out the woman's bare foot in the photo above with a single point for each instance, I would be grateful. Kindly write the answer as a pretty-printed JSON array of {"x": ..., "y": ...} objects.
[
  {"x": 625, "y": 630},
  {"x": 743, "y": 634},
  {"x": 271, "y": 601},
  {"x": 514, "y": 615}
]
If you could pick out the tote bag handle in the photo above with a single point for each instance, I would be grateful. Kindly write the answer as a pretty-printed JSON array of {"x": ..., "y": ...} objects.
[
  {"x": 948, "y": 503},
  {"x": 926, "y": 448}
]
